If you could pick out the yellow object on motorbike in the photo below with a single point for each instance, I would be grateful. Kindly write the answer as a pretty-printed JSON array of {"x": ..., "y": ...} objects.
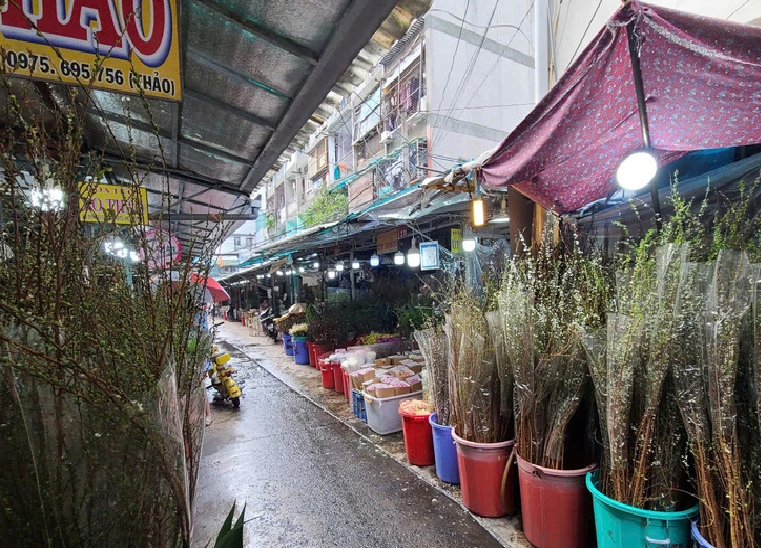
[
  {"x": 222, "y": 358},
  {"x": 232, "y": 388}
]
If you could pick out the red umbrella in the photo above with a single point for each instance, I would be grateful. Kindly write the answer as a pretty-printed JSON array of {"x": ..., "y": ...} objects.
[{"x": 218, "y": 293}]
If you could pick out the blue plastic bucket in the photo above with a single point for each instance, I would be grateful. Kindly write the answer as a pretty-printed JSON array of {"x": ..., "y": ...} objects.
[
  {"x": 300, "y": 351},
  {"x": 621, "y": 526},
  {"x": 287, "y": 344},
  {"x": 698, "y": 540},
  {"x": 444, "y": 451}
]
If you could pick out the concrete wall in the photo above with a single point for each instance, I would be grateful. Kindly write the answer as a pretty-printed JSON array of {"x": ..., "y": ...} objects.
[
  {"x": 472, "y": 110},
  {"x": 571, "y": 18}
]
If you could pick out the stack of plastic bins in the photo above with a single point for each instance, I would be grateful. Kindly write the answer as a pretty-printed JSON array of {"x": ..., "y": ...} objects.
[{"x": 358, "y": 405}]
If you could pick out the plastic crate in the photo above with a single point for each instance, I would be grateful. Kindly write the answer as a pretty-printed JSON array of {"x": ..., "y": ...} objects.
[
  {"x": 358, "y": 404},
  {"x": 383, "y": 413}
]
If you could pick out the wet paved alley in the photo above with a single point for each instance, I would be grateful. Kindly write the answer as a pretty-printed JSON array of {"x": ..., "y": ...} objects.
[{"x": 309, "y": 480}]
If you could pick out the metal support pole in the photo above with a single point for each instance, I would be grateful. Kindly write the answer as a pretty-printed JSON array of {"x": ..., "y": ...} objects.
[
  {"x": 351, "y": 273},
  {"x": 642, "y": 109}
]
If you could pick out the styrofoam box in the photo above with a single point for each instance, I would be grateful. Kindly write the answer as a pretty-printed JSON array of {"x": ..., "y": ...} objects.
[{"x": 383, "y": 413}]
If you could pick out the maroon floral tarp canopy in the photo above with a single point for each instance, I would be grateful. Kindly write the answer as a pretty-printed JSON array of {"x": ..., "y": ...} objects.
[{"x": 702, "y": 80}]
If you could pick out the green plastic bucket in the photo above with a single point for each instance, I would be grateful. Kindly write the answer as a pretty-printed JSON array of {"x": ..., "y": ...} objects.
[{"x": 621, "y": 526}]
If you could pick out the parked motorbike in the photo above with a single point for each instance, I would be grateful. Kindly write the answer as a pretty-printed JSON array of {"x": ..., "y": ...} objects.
[
  {"x": 268, "y": 324},
  {"x": 222, "y": 378}
]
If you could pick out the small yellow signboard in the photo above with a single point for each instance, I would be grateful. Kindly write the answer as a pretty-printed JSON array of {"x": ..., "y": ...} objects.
[
  {"x": 111, "y": 203},
  {"x": 456, "y": 240},
  {"x": 118, "y": 45}
]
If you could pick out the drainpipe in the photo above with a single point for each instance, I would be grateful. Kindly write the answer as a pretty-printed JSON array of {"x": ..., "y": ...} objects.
[{"x": 541, "y": 64}]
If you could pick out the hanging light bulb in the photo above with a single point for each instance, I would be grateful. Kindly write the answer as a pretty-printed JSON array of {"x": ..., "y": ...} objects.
[
  {"x": 301, "y": 269},
  {"x": 331, "y": 274},
  {"x": 637, "y": 170},
  {"x": 479, "y": 213},
  {"x": 502, "y": 217},
  {"x": 398, "y": 258},
  {"x": 134, "y": 256},
  {"x": 374, "y": 261},
  {"x": 355, "y": 265},
  {"x": 339, "y": 267},
  {"x": 315, "y": 265},
  {"x": 413, "y": 255},
  {"x": 469, "y": 245},
  {"x": 279, "y": 272}
]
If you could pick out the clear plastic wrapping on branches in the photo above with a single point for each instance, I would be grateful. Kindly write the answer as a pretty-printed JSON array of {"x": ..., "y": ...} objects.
[
  {"x": 473, "y": 378},
  {"x": 435, "y": 350},
  {"x": 594, "y": 343},
  {"x": 623, "y": 352},
  {"x": 504, "y": 371},
  {"x": 727, "y": 303}
]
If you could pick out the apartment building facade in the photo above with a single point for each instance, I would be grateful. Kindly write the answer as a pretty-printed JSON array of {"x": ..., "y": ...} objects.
[{"x": 452, "y": 88}]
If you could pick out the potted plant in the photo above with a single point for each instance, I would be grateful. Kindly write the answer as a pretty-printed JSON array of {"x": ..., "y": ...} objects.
[
  {"x": 433, "y": 345},
  {"x": 479, "y": 411},
  {"x": 542, "y": 301},
  {"x": 300, "y": 349},
  {"x": 639, "y": 492}
]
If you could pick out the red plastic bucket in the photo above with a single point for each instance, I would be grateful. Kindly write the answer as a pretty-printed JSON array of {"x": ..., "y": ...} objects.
[
  {"x": 418, "y": 438},
  {"x": 327, "y": 373},
  {"x": 347, "y": 383},
  {"x": 487, "y": 477},
  {"x": 555, "y": 505},
  {"x": 338, "y": 380},
  {"x": 319, "y": 351},
  {"x": 312, "y": 356}
]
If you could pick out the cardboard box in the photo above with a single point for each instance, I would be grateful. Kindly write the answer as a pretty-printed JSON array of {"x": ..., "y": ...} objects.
[
  {"x": 401, "y": 390},
  {"x": 416, "y": 386},
  {"x": 367, "y": 384},
  {"x": 397, "y": 360},
  {"x": 415, "y": 366},
  {"x": 366, "y": 373},
  {"x": 383, "y": 362},
  {"x": 401, "y": 372},
  {"x": 384, "y": 391},
  {"x": 356, "y": 380}
]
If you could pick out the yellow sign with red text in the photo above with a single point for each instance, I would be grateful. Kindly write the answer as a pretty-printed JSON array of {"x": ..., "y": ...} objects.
[
  {"x": 111, "y": 203},
  {"x": 130, "y": 46}
]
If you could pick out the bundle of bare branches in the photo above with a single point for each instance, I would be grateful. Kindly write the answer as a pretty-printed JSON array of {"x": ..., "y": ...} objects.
[
  {"x": 544, "y": 303},
  {"x": 434, "y": 346},
  {"x": 474, "y": 380}
]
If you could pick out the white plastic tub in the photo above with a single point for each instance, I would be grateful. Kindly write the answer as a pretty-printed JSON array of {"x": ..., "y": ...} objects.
[{"x": 383, "y": 413}]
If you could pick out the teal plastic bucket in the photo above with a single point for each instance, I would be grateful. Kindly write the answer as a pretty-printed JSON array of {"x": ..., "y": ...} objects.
[{"x": 621, "y": 526}]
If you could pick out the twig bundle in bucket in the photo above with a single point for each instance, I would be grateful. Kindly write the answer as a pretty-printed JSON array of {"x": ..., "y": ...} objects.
[
  {"x": 474, "y": 384},
  {"x": 433, "y": 345},
  {"x": 543, "y": 302}
]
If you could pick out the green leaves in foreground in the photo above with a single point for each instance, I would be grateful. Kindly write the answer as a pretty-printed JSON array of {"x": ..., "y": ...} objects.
[{"x": 231, "y": 536}]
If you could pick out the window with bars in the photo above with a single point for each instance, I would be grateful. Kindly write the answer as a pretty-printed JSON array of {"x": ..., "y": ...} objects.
[
  {"x": 403, "y": 93},
  {"x": 344, "y": 155},
  {"x": 318, "y": 159}
]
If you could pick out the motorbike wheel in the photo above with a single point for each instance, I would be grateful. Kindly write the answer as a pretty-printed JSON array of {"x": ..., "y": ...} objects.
[{"x": 236, "y": 402}]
